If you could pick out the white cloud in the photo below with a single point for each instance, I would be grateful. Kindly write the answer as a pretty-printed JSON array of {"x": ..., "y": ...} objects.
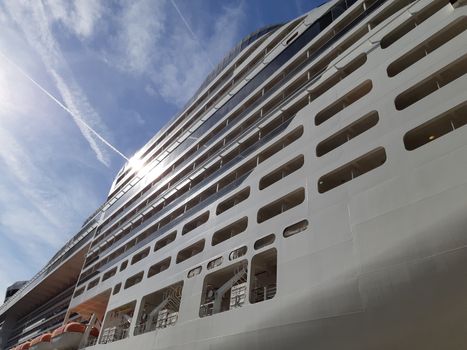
[
  {"x": 31, "y": 17},
  {"x": 80, "y": 17},
  {"x": 139, "y": 29},
  {"x": 149, "y": 39},
  {"x": 184, "y": 66},
  {"x": 39, "y": 209},
  {"x": 39, "y": 190},
  {"x": 76, "y": 101}
]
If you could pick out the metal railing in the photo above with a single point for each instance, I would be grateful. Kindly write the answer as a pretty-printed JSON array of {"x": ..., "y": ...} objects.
[
  {"x": 111, "y": 334},
  {"x": 263, "y": 293}
]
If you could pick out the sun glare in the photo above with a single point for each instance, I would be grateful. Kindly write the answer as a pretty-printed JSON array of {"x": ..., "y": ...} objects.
[{"x": 136, "y": 163}]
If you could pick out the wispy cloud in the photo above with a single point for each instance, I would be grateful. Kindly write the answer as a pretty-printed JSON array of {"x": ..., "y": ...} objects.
[
  {"x": 30, "y": 178},
  {"x": 139, "y": 26},
  {"x": 149, "y": 39},
  {"x": 80, "y": 17},
  {"x": 188, "y": 27},
  {"x": 39, "y": 210},
  {"x": 32, "y": 19},
  {"x": 183, "y": 66}
]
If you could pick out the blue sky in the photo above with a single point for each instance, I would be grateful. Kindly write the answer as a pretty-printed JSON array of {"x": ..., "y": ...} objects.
[{"x": 124, "y": 67}]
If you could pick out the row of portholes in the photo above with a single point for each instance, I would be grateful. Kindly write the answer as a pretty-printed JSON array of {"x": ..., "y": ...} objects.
[
  {"x": 259, "y": 244},
  {"x": 294, "y": 198},
  {"x": 165, "y": 263}
]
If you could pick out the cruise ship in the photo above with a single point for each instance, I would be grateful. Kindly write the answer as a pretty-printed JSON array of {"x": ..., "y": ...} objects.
[{"x": 311, "y": 195}]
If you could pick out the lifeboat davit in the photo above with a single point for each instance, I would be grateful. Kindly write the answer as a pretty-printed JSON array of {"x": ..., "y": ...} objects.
[
  {"x": 69, "y": 336},
  {"x": 42, "y": 342}
]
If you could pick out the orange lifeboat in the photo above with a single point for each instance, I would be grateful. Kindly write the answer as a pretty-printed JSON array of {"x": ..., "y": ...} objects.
[
  {"x": 42, "y": 342},
  {"x": 94, "y": 332},
  {"x": 75, "y": 327},
  {"x": 69, "y": 336},
  {"x": 58, "y": 331},
  {"x": 24, "y": 346}
]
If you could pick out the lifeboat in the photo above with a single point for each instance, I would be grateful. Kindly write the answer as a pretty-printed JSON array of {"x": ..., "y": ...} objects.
[
  {"x": 42, "y": 342},
  {"x": 24, "y": 346},
  {"x": 69, "y": 336},
  {"x": 94, "y": 332}
]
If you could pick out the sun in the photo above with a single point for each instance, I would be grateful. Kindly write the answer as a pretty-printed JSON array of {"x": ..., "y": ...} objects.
[{"x": 136, "y": 163}]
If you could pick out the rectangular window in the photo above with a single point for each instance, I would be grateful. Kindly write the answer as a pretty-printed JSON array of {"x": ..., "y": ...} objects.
[
  {"x": 140, "y": 256},
  {"x": 159, "y": 267},
  {"x": 263, "y": 280},
  {"x": 345, "y": 101},
  {"x": 130, "y": 244},
  {"x": 224, "y": 289},
  {"x": 434, "y": 82},
  {"x": 78, "y": 292},
  {"x": 281, "y": 144},
  {"x": 265, "y": 241},
  {"x": 238, "y": 253},
  {"x": 117, "y": 288},
  {"x": 93, "y": 283},
  {"x": 214, "y": 263},
  {"x": 352, "y": 170},
  {"x": 165, "y": 241},
  {"x": 190, "y": 226},
  {"x": 416, "y": 19},
  {"x": 295, "y": 228},
  {"x": 425, "y": 48},
  {"x": 281, "y": 205},
  {"x": 230, "y": 231},
  {"x": 346, "y": 134},
  {"x": 135, "y": 279},
  {"x": 117, "y": 323},
  {"x": 109, "y": 274},
  {"x": 436, "y": 127},
  {"x": 233, "y": 200},
  {"x": 190, "y": 251},
  {"x": 281, "y": 172},
  {"x": 159, "y": 309},
  {"x": 388, "y": 12},
  {"x": 194, "y": 272}
]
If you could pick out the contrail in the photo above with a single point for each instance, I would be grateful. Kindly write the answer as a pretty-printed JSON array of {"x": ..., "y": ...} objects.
[
  {"x": 192, "y": 33},
  {"x": 86, "y": 125}
]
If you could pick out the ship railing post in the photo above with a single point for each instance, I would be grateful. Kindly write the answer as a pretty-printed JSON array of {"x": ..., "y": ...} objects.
[{"x": 87, "y": 332}]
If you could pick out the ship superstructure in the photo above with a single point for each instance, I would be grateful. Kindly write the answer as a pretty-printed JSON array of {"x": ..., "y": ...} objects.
[
  {"x": 311, "y": 195},
  {"x": 40, "y": 304}
]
